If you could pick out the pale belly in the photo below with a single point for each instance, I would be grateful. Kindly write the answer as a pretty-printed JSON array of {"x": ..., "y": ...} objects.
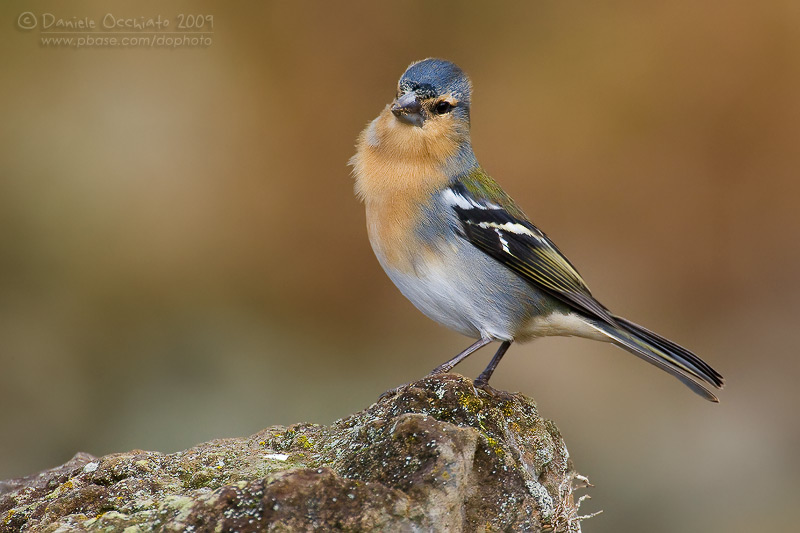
[{"x": 473, "y": 294}]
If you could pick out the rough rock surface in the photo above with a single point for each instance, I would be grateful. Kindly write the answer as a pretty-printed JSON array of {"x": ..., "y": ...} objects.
[{"x": 435, "y": 455}]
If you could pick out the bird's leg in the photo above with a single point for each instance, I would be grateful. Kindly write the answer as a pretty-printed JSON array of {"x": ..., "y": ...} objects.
[
  {"x": 448, "y": 366},
  {"x": 483, "y": 380}
]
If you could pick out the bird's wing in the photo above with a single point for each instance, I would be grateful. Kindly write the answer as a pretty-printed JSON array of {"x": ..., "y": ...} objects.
[{"x": 503, "y": 232}]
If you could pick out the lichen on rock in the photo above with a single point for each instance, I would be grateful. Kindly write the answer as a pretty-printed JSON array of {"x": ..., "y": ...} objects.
[{"x": 434, "y": 455}]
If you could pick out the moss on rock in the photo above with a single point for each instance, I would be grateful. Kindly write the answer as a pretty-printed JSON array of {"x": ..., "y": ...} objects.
[{"x": 436, "y": 455}]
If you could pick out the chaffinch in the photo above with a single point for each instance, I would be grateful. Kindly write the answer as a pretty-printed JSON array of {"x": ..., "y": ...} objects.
[{"x": 460, "y": 249}]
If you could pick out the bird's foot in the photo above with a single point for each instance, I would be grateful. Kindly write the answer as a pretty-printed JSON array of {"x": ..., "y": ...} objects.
[
  {"x": 391, "y": 392},
  {"x": 482, "y": 381},
  {"x": 482, "y": 384}
]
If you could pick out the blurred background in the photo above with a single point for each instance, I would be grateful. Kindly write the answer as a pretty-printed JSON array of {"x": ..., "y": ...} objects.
[{"x": 182, "y": 257}]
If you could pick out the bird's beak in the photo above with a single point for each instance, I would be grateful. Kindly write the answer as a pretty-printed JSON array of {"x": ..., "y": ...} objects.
[{"x": 408, "y": 109}]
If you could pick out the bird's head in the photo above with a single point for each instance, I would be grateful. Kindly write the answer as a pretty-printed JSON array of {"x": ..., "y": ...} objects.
[
  {"x": 421, "y": 139},
  {"x": 433, "y": 94}
]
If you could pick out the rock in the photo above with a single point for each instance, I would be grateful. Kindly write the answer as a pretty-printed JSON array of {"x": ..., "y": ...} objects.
[{"x": 434, "y": 455}]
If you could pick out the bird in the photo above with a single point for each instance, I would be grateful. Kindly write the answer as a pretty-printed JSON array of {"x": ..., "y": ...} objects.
[{"x": 461, "y": 250}]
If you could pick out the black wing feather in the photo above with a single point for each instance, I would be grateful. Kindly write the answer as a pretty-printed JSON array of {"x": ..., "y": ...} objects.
[{"x": 526, "y": 250}]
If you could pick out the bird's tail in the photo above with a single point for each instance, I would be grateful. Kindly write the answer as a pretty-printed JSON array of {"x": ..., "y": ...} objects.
[{"x": 663, "y": 353}]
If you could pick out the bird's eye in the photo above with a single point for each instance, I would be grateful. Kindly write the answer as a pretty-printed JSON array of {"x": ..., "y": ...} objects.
[{"x": 442, "y": 107}]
